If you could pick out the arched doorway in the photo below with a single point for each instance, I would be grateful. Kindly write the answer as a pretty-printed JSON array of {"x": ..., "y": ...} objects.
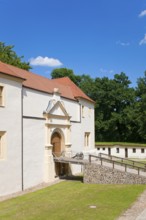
[
  {"x": 56, "y": 142},
  {"x": 60, "y": 168}
]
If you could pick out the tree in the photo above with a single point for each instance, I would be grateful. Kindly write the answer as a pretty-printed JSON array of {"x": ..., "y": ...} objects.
[
  {"x": 64, "y": 72},
  {"x": 141, "y": 107},
  {"x": 9, "y": 56},
  {"x": 87, "y": 84},
  {"x": 114, "y": 107}
]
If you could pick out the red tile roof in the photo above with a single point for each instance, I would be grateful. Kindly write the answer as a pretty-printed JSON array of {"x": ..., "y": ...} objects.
[{"x": 31, "y": 80}]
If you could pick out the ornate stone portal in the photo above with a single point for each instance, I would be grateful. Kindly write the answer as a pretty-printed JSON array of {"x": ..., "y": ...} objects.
[{"x": 57, "y": 121}]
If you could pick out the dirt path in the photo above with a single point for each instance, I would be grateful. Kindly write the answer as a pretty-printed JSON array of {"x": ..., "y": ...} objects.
[{"x": 137, "y": 210}]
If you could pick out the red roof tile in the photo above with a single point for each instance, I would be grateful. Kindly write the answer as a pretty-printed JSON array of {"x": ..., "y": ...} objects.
[
  {"x": 31, "y": 80},
  {"x": 77, "y": 92}
]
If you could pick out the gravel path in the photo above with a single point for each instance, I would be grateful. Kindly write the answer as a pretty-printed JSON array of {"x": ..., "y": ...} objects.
[{"x": 137, "y": 210}]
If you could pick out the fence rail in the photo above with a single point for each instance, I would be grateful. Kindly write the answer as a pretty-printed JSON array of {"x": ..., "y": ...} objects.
[
  {"x": 134, "y": 162},
  {"x": 119, "y": 161}
]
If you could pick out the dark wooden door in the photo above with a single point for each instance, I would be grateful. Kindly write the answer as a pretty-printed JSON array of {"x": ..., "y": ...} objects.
[
  {"x": 126, "y": 152},
  {"x": 56, "y": 142},
  {"x": 109, "y": 151},
  {"x": 60, "y": 168}
]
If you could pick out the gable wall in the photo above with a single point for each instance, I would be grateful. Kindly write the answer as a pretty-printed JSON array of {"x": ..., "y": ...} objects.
[{"x": 35, "y": 103}]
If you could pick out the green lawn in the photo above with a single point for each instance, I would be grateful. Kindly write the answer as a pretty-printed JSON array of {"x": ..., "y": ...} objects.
[
  {"x": 119, "y": 143},
  {"x": 72, "y": 200}
]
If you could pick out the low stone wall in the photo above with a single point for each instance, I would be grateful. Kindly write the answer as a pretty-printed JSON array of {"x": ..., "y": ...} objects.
[{"x": 94, "y": 173}]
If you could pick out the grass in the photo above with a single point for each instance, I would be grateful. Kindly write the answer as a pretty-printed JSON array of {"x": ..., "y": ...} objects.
[
  {"x": 120, "y": 143},
  {"x": 137, "y": 162},
  {"x": 72, "y": 200}
]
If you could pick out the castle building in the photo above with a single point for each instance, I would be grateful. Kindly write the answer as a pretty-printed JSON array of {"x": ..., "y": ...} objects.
[{"x": 39, "y": 118}]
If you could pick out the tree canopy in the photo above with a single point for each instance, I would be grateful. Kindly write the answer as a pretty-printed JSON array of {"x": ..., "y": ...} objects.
[
  {"x": 140, "y": 110},
  {"x": 64, "y": 72},
  {"x": 9, "y": 56},
  {"x": 120, "y": 110}
]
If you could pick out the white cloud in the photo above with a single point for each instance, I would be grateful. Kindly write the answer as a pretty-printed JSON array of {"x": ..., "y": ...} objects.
[
  {"x": 143, "y": 13},
  {"x": 105, "y": 71},
  {"x": 123, "y": 43},
  {"x": 45, "y": 61},
  {"x": 143, "y": 41}
]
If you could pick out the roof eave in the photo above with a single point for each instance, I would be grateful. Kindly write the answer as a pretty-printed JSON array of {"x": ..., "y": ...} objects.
[
  {"x": 89, "y": 100},
  {"x": 17, "y": 77}
]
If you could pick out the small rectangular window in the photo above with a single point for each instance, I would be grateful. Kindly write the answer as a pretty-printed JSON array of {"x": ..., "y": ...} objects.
[
  {"x": 83, "y": 111},
  {"x": 117, "y": 150},
  {"x": 1, "y": 96},
  {"x": 2, "y": 145},
  {"x": 89, "y": 112},
  {"x": 103, "y": 148},
  {"x": 134, "y": 150},
  {"x": 98, "y": 148},
  {"x": 87, "y": 139},
  {"x": 142, "y": 150}
]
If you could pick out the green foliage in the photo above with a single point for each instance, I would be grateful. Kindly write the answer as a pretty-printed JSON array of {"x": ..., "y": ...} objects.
[
  {"x": 87, "y": 84},
  {"x": 141, "y": 107},
  {"x": 120, "y": 111},
  {"x": 9, "y": 56},
  {"x": 64, "y": 72},
  {"x": 119, "y": 143},
  {"x": 114, "y": 103},
  {"x": 72, "y": 200}
]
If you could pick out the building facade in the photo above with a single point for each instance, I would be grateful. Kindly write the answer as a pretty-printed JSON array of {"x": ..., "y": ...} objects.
[
  {"x": 127, "y": 151},
  {"x": 40, "y": 118}
]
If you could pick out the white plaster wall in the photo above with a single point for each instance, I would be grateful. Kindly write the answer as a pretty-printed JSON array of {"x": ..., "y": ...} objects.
[
  {"x": 73, "y": 109},
  {"x": 121, "y": 151},
  {"x": 34, "y": 149},
  {"x": 78, "y": 131},
  {"x": 34, "y": 102},
  {"x": 88, "y": 124},
  {"x": 10, "y": 121},
  {"x": 103, "y": 150},
  {"x": 77, "y": 136},
  {"x": 137, "y": 154}
]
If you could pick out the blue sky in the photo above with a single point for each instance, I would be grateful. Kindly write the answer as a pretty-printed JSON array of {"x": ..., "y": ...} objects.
[{"x": 95, "y": 37}]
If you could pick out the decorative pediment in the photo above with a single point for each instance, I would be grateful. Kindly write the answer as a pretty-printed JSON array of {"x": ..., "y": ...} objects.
[{"x": 56, "y": 108}]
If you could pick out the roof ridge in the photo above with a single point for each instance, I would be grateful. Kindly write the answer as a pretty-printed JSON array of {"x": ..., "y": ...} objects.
[
  {"x": 67, "y": 87},
  {"x": 82, "y": 95}
]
